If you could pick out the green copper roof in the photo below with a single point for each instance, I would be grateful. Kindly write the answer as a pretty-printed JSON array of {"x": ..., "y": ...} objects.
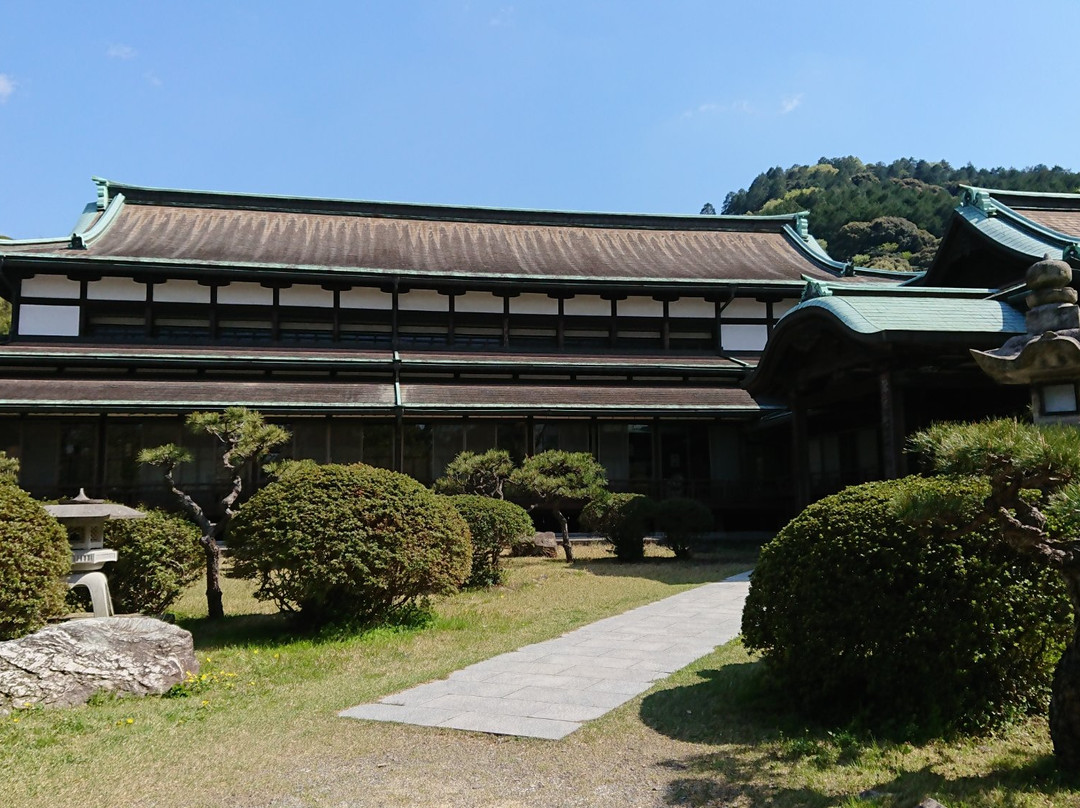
[{"x": 880, "y": 314}]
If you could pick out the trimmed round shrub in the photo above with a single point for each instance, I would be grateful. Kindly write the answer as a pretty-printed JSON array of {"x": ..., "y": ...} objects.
[
  {"x": 159, "y": 556},
  {"x": 682, "y": 521},
  {"x": 495, "y": 525},
  {"x": 860, "y": 615},
  {"x": 622, "y": 519},
  {"x": 34, "y": 559},
  {"x": 348, "y": 543}
]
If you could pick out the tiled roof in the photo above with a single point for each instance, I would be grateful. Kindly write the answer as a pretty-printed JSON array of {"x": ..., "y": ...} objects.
[
  {"x": 276, "y": 397},
  {"x": 209, "y": 230},
  {"x": 564, "y": 399},
  {"x": 316, "y": 358},
  {"x": 874, "y": 315},
  {"x": 132, "y": 395}
]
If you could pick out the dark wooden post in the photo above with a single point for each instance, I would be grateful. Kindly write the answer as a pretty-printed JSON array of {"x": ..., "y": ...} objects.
[
  {"x": 800, "y": 454},
  {"x": 891, "y": 426}
]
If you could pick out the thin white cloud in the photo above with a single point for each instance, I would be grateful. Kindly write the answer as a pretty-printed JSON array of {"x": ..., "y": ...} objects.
[
  {"x": 710, "y": 108},
  {"x": 7, "y": 87},
  {"x": 790, "y": 103},
  {"x": 152, "y": 80},
  {"x": 119, "y": 51}
]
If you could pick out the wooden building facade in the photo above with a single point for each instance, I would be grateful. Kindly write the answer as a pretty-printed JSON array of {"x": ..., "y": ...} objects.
[{"x": 399, "y": 335}]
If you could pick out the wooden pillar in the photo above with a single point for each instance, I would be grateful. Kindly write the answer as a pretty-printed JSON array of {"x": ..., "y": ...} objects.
[
  {"x": 613, "y": 328},
  {"x": 665, "y": 327},
  {"x": 336, "y": 333},
  {"x": 394, "y": 343},
  {"x": 506, "y": 322},
  {"x": 99, "y": 456},
  {"x": 800, "y": 454},
  {"x": 657, "y": 483},
  {"x": 560, "y": 325},
  {"x": 148, "y": 326},
  {"x": 891, "y": 425}
]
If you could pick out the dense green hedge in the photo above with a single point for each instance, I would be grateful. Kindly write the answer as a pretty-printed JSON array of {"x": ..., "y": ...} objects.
[
  {"x": 622, "y": 519},
  {"x": 682, "y": 521},
  {"x": 495, "y": 525},
  {"x": 159, "y": 556},
  {"x": 348, "y": 543},
  {"x": 859, "y": 615},
  {"x": 34, "y": 559}
]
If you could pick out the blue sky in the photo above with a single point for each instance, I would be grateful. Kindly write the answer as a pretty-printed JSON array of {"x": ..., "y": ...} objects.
[{"x": 615, "y": 105}]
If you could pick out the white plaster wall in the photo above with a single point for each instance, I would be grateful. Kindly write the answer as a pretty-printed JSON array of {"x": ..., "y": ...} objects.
[
  {"x": 181, "y": 291},
  {"x": 48, "y": 321},
  {"x": 692, "y": 307},
  {"x": 782, "y": 307},
  {"x": 640, "y": 307},
  {"x": 478, "y": 302},
  {"x": 587, "y": 306},
  {"x": 423, "y": 300},
  {"x": 742, "y": 307},
  {"x": 744, "y": 337},
  {"x": 366, "y": 298},
  {"x": 55, "y": 286},
  {"x": 245, "y": 294},
  {"x": 116, "y": 289},
  {"x": 534, "y": 304},
  {"x": 307, "y": 295}
]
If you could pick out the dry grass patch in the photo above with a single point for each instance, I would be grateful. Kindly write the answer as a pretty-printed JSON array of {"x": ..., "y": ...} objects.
[{"x": 262, "y": 730}]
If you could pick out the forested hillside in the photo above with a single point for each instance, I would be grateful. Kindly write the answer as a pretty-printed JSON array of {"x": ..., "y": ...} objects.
[{"x": 883, "y": 215}]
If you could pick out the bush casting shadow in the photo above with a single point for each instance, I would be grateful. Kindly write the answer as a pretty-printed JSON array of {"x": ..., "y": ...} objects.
[
  {"x": 272, "y": 630},
  {"x": 703, "y": 568},
  {"x": 733, "y": 709}
]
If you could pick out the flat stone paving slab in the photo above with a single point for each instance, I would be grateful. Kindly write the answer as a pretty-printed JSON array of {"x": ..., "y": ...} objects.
[{"x": 547, "y": 690}]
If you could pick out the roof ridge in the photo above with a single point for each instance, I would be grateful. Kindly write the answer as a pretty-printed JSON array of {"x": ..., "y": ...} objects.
[{"x": 138, "y": 194}]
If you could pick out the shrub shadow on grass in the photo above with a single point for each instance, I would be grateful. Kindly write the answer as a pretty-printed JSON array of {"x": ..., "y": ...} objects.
[
  {"x": 669, "y": 570},
  {"x": 732, "y": 709},
  {"x": 267, "y": 630},
  {"x": 1004, "y": 786},
  {"x": 256, "y": 630}
]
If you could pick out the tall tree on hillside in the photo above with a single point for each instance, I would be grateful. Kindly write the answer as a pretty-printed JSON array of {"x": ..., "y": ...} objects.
[{"x": 245, "y": 439}]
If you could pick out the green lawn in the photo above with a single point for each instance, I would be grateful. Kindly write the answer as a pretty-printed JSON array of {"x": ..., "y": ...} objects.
[{"x": 260, "y": 727}]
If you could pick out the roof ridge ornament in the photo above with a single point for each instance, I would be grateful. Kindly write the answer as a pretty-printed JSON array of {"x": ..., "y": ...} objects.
[
  {"x": 802, "y": 225},
  {"x": 814, "y": 289},
  {"x": 1071, "y": 252},
  {"x": 978, "y": 198},
  {"x": 102, "y": 192}
]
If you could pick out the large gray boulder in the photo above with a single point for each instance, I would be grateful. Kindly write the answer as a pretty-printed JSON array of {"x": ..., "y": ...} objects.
[{"x": 65, "y": 664}]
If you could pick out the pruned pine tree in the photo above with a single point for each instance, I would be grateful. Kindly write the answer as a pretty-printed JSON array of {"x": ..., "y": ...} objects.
[
  {"x": 245, "y": 439},
  {"x": 556, "y": 481}
]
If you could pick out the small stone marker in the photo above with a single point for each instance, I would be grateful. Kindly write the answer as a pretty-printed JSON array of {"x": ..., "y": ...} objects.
[{"x": 546, "y": 544}]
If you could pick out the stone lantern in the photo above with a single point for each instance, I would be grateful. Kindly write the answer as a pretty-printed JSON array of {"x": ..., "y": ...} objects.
[
  {"x": 1047, "y": 357},
  {"x": 85, "y": 520}
]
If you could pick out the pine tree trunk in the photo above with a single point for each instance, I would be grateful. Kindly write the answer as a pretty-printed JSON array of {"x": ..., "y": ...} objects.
[
  {"x": 214, "y": 608},
  {"x": 1065, "y": 708},
  {"x": 566, "y": 538}
]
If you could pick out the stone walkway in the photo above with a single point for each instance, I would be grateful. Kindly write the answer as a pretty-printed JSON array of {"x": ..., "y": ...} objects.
[{"x": 549, "y": 689}]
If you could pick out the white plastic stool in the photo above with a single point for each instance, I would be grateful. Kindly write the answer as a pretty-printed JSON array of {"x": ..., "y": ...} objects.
[{"x": 98, "y": 585}]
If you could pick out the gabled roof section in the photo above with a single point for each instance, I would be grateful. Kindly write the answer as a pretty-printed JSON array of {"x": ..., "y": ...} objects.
[
  {"x": 928, "y": 321},
  {"x": 995, "y": 235},
  {"x": 141, "y": 228}
]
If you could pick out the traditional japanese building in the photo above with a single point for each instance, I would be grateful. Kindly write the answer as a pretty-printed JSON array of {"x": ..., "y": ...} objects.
[
  {"x": 859, "y": 369},
  {"x": 400, "y": 335}
]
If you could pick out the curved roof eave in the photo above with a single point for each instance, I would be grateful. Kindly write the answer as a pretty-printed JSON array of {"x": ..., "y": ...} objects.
[{"x": 882, "y": 320}]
